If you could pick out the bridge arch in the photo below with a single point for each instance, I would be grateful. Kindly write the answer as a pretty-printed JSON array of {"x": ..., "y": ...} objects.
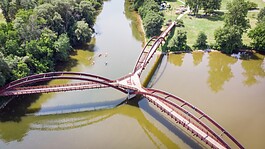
[
  {"x": 147, "y": 54},
  {"x": 18, "y": 87},
  {"x": 189, "y": 114}
]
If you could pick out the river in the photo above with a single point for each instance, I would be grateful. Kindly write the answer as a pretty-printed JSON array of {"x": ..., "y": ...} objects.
[{"x": 229, "y": 90}]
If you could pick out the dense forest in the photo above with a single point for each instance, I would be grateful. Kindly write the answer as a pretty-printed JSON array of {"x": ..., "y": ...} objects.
[{"x": 38, "y": 34}]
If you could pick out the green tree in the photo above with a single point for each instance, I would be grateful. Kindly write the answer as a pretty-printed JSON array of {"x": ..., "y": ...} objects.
[
  {"x": 28, "y": 25},
  {"x": 152, "y": 24},
  {"x": 251, "y": 5},
  {"x": 178, "y": 42},
  {"x": 87, "y": 12},
  {"x": 237, "y": 15},
  {"x": 5, "y": 6},
  {"x": 137, "y": 4},
  {"x": 4, "y": 70},
  {"x": 62, "y": 47},
  {"x": 66, "y": 10},
  {"x": 228, "y": 39},
  {"x": 258, "y": 36},
  {"x": 45, "y": 11},
  {"x": 82, "y": 33},
  {"x": 261, "y": 15},
  {"x": 21, "y": 70},
  {"x": 201, "y": 42},
  {"x": 147, "y": 7},
  {"x": 210, "y": 5},
  {"x": 195, "y": 5}
]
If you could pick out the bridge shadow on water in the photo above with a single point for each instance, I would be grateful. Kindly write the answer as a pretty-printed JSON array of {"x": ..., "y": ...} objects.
[
  {"x": 15, "y": 116},
  {"x": 142, "y": 103},
  {"x": 17, "y": 107}
]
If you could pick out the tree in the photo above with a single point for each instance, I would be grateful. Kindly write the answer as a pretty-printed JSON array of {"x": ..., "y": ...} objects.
[
  {"x": 261, "y": 15},
  {"x": 66, "y": 10},
  {"x": 4, "y": 70},
  {"x": 62, "y": 47},
  {"x": 201, "y": 42},
  {"x": 87, "y": 12},
  {"x": 195, "y": 5},
  {"x": 20, "y": 71},
  {"x": 152, "y": 24},
  {"x": 258, "y": 36},
  {"x": 251, "y": 5},
  {"x": 178, "y": 42},
  {"x": 28, "y": 25},
  {"x": 82, "y": 33},
  {"x": 5, "y": 6},
  {"x": 210, "y": 5},
  {"x": 40, "y": 33},
  {"x": 147, "y": 7},
  {"x": 237, "y": 15},
  {"x": 228, "y": 39}
]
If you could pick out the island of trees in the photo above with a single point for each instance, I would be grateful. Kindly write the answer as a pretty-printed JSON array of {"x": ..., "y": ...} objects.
[{"x": 38, "y": 34}]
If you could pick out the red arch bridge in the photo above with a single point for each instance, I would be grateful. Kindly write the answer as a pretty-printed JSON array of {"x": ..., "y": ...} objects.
[{"x": 183, "y": 113}]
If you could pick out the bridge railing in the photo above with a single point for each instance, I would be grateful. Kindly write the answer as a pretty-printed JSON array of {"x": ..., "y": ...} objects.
[
  {"x": 48, "y": 76},
  {"x": 203, "y": 115},
  {"x": 157, "y": 42}
]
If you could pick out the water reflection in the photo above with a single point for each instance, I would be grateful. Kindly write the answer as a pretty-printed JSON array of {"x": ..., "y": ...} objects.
[
  {"x": 176, "y": 59},
  {"x": 254, "y": 68},
  {"x": 220, "y": 70},
  {"x": 135, "y": 20},
  {"x": 13, "y": 131},
  {"x": 197, "y": 58}
]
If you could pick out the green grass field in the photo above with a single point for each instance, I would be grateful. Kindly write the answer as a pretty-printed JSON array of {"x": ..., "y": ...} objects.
[{"x": 207, "y": 25}]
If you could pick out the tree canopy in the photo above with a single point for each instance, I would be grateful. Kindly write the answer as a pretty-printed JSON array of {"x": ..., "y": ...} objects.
[
  {"x": 201, "y": 42},
  {"x": 257, "y": 34},
  {"x": 261, "y": 15},
  {"x": 152, "y": 18},
  {"x": 178, "y": 42},
  {"x": 228, "y": 39},
  {"x": 237, "y": 15},
  {"x": 40, "y": 33},
  {"x": 207, "y": 5}
]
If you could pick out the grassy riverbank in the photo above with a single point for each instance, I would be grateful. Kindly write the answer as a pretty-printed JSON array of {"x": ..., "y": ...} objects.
[{"x": 208, "y": 24}]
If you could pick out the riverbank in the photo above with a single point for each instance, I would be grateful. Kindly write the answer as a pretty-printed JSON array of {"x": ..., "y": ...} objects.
[{"x": 207, "y": 24}]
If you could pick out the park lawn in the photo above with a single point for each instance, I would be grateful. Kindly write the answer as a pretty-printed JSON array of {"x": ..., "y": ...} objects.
[
  {"x": 170, "y": 14},
  {"x": 207, "y": 25}
]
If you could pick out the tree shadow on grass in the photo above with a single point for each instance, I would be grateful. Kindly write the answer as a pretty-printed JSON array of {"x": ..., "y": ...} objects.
[{"x": 215, "y": 16}]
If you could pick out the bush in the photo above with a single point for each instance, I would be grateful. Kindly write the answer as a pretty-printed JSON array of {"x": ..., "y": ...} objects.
[{"x": 201, "y": 42}]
